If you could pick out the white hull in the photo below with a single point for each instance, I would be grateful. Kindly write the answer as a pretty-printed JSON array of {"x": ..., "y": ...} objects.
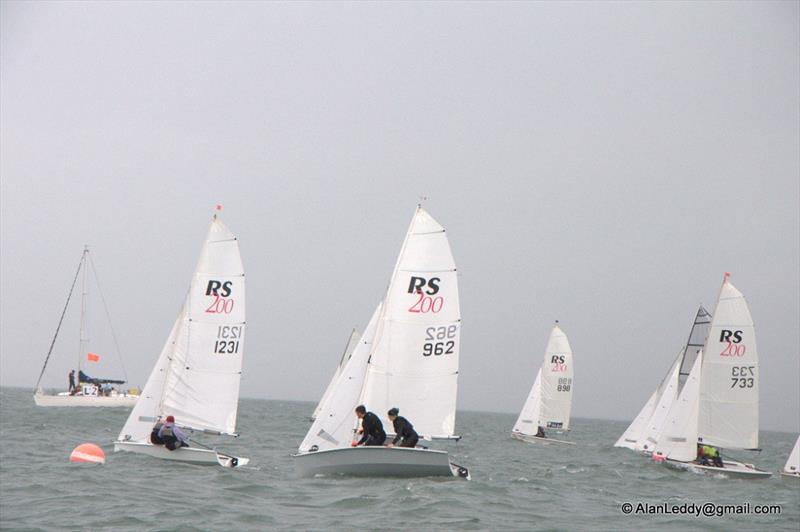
[
  {"x": 192, "y": 455},
  {"x": 790, "y": 478},
  {"x": 378, "y": 462},
  {"x": 535, "y": 439},
  {"x": 730, "y": 469},
  {"x": 122, "y": 400}
]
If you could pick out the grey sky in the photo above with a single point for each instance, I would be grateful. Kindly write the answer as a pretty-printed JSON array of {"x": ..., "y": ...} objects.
[{"x": 602, "y": 164}]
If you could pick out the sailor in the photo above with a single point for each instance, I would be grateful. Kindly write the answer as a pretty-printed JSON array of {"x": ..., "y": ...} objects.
[
  {"x": 172, "y": 436},
  {"x": 155, "y": 439},
  {"x": 710, "y": 453},
  {"x": 371, "y": 428},
  {"x": 403, "y": 430},
  {"x": 71, "y": 381},
  {"x": 540, "y": 432}
]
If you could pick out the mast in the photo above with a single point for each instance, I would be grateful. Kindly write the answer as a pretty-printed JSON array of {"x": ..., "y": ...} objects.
[{"x": 82, "y": 340}]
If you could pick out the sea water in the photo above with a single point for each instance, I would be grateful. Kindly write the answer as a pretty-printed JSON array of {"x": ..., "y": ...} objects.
[{"x": 514, "y": 486}]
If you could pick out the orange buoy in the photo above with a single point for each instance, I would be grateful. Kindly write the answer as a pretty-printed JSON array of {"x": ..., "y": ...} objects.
[{"x": 88, "y": 452}]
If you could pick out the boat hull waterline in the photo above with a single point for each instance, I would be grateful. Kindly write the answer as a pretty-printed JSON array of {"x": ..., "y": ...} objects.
[
  {"x": 191, "y": 455},
  {"x": 122, "y": 401},
  {"x": 730, "y": 469},
  {"x": 535, "y": 439},
  {"x": 377, "y": 462}
]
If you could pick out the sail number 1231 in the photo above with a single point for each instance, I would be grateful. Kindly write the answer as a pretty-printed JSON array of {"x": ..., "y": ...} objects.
[{"x": 228, "y": 337}]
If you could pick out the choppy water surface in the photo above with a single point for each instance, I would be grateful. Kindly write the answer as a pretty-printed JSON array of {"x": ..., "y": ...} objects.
[{"x": 514, "y": 485}]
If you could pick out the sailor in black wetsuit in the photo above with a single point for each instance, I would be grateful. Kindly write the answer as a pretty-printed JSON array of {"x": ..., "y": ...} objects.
[
  {"x": 403, "y": 430},
  {"x": 371, "y": 428}
]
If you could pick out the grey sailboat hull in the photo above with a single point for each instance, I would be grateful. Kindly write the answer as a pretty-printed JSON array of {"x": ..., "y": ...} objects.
[{"x": 378, "y": 462}]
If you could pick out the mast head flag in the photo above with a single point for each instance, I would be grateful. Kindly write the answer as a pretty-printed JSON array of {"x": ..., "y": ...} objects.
[{"x": 92, "y": 357}]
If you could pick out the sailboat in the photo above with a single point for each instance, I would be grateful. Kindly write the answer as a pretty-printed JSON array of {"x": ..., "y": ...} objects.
[
  {"x": 196, "y": 377},
  {"x": 718, "y": 405},
  {"x": 550, "y": 400},
  {"x": 642, "y": 434},
  {"x": 791, "y": 470},
  {"x": 352, "y": 342},
  {"x": 87, "y": 391},
  {"x": 407, "y": 357}
]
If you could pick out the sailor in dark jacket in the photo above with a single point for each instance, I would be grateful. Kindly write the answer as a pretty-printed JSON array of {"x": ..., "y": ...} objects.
[
  {"x": 371, "y": 428},
  {"x": 403, "y": 430}
]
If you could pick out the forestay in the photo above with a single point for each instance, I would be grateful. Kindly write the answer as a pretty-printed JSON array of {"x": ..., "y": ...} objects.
[
  {"x": 414, "y": 361},
  {"x": 196, "y": 377},
  {"x": 728, "y": 415},
  {"x": 334, "y": 425}
]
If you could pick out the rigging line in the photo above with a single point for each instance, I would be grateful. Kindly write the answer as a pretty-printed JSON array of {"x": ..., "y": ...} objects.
[
  {"x": 60, "y": 321},
  {"x": 108, "y": 316}
]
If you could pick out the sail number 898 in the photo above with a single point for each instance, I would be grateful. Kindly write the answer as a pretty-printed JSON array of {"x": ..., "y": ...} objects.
[{"x": 445, "y": 347}]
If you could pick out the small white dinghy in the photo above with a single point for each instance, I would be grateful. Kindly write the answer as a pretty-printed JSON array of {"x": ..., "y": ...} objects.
[
  {"x": 642, "y": 434},
  {"x": 196, "y": 378},
  {"x": 87, "y": 391},
  {"x": 718, "y": 405},
  {"x": 550, "y": 401},
  {"x": 406, "y": 358},
  {"x": 791, "y": 470}
]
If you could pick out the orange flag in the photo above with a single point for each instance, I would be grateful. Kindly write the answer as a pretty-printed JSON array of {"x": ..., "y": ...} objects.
[{"x": 92, "y": 357}]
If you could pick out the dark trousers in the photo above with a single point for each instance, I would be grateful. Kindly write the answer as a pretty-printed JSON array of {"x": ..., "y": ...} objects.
[
  {"x": 410, "y": 442},
  {"x": 373, "y": 439}
]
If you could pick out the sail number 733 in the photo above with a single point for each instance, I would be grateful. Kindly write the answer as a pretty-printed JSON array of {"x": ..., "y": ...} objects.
[
  {"x": 440, "y": 340},
  {"x": 743, "y": 376}
]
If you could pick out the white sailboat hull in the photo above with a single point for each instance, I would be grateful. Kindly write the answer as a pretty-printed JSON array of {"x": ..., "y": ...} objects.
[
  {"x": 192, "y": 455},
  {"x": 378, "y": 462},
  {"x": 730, "y": 469},
  {"x": 543, "y": 441},
  {"x": 121, "y": 400}
]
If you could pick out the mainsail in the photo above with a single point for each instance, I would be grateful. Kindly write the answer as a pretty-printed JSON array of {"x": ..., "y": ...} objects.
[
  {"x": 414, "y": 361},
  {"x": 352, "y": 342},
  {"x": 196, "y": 377},
  {"x": 550, "y": 400},
  {"x": 729, "y": 387}
]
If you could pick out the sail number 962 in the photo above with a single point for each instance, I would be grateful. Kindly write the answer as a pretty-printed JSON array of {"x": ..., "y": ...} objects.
[
  {"x": 228, "y": 337},
  {"x": 439, "y": 340}
]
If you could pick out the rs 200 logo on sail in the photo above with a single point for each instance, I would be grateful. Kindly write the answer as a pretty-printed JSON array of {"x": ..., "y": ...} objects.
[
  {"x": 220, "y": 291},
  {"x": 426, "y": 290}
]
